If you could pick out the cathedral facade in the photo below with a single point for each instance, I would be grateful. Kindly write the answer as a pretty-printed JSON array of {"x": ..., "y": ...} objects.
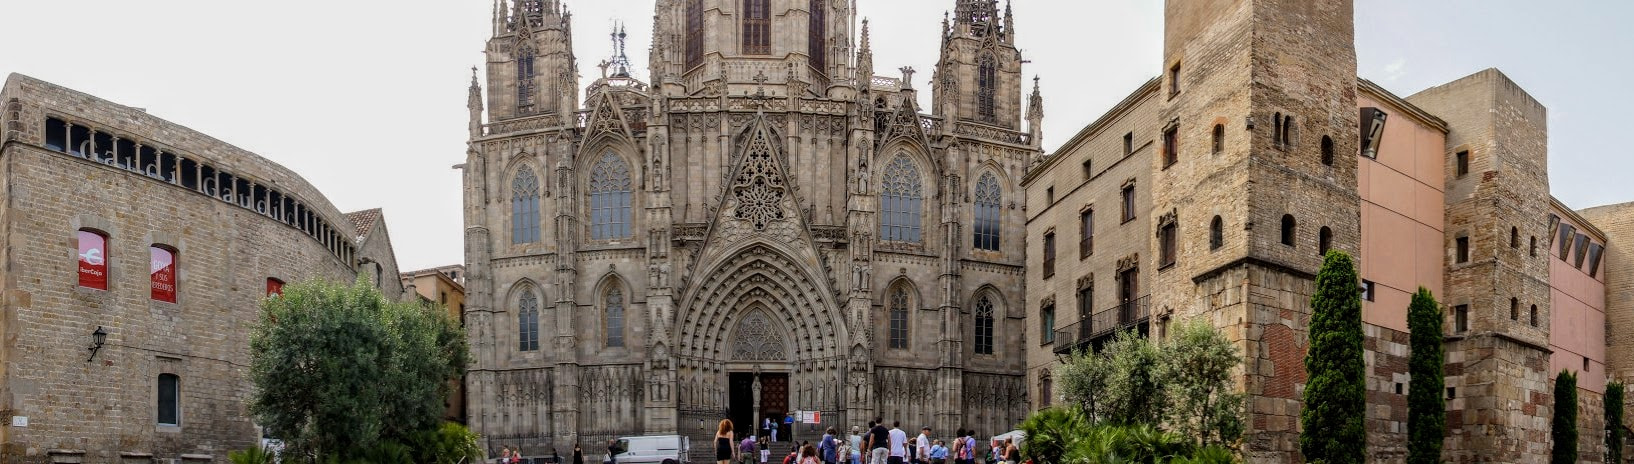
[{"x": 763, "y": 226}]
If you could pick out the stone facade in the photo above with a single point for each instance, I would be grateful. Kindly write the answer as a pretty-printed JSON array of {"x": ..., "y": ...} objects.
[
  {"x": 745, "y": 228},
  {"x": 234, "y": 221},
  {"x": 1264, "y": 175}
]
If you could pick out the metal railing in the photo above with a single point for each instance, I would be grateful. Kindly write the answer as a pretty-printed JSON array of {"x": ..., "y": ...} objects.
[{"x": 1103, "y": 324}]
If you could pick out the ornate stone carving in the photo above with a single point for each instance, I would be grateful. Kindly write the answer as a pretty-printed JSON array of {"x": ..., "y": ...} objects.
[
  {"x": 757, "y": 340},
  {"x": 759, "y": 186}
]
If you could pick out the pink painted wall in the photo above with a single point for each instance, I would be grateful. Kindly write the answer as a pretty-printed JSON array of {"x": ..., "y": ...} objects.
[
  {"x": 1402, "y": 214},
  {"x": 1577, "y": 303}
]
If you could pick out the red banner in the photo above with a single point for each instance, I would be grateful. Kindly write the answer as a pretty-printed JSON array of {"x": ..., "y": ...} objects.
[
  {"x": 93, "y": 260},
  {"x": 275, "y": 287},
  {"x": 163, "y": 266}
]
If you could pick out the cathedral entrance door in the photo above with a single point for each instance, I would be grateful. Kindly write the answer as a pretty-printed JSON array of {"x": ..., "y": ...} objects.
[{"x": 773, "y": 402}]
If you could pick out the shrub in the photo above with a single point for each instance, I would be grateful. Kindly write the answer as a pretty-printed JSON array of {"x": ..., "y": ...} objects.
[
  {"x": 1564, "y": 429},
  {"x": 1426, "y": 405},
  {"x": 1335, "y": 396},
  {"x": 1614, "y": 422},
  {"x": 1048, "y": 433}
]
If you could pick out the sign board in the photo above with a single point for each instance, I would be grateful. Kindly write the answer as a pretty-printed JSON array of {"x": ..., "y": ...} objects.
[
  {"x": 810, "y": 417},
  {"x": 19, "y": 421}
]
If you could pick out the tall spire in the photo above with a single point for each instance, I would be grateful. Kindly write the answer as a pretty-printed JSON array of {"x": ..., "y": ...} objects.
[
  {"x": 1035, "y": 114},
  {"x": 474, "y": 103},
  {"x": 865, "y": 58},
  {"x": 1009, "y": 24},
  {"x": 619, "y": 63}
]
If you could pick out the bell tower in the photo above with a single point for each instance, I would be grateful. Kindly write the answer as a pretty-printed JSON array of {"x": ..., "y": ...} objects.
[
  {"x": 713, "y": 47},
  {"x": 978, "y": 77},
  {"x": 531, "y": 67}
]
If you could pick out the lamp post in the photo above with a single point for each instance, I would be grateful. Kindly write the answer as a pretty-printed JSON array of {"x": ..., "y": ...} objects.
[{"x": 97, "y": 339}]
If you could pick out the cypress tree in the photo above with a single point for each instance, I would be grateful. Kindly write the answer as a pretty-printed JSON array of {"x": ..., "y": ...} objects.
[
  {"x": 1564, "y": 429},
  {"x": 1614, "y": 422},
  {"x": 1335, "y": 396},
  {"x": 1426, "y": 407}
]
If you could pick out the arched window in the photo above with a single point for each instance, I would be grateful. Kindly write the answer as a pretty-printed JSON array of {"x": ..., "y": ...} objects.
[
  {"x": 610, "y": 189},
  {"x": 524, "y": 207},
  {"x": 1288, "y": 229},
  {"x": 93, "y": 259},
  {"x": 757, "y": 27},
  {"x": 987, "y": 213},
  {"x": 1514, "y": 309},
  {"x": 1534, "y": 315},
  {"x": 695, "y": 33},
  {"x": 898, "y": 308},
  {"x": 900, "y": 201},
  {"x": 524, "y": 81},
  {"x": 1216, "y": 233},
  {"x": 1219, "y": 138},
  {"x": 1327, "y": 150},
  {"x": 1514, "y": 237},
  {"x": 527, "y": 320},
  {"x": 1046, "y": 389},
  {"x": 162, "y": 273},
  {"x": 169, "y": 408},
  {"x": 615, "y": 317},
  {"x": 984, "y": 325},
  {"x": 817, "y": 35},
  {"x": 987, "y": 89},
  {"x": 1324, "y": 240}
]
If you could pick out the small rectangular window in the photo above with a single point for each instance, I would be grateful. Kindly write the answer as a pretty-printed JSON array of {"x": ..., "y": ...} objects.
[
  {"x": 1452, "y": 392},
  {"x": 1049, "y": 255},
  {"x": 93, "y": 260},
  {"x": 169, "y": 399},
  {"x": 1166, "y": 245},
  {"x": 1460, "y": 316},
  {"x": 1046, "y": 324},
  {"x": 162, "y": 264},
  {"x": 1128, "y": 203},
  {"x": 1128, "y": 143},
  {"x": 1174, "y": 80},
  {"x": 1086, "y": 233},
  {"x": 1049, "y": 195},
  {"x": 1463, "y": 250},
  {"x": 1367, "y": 290},
  {"x": 1088, "y": 170},
  {"x": 1462, "y": 168},
  {"x": 1171, "y": 149}
]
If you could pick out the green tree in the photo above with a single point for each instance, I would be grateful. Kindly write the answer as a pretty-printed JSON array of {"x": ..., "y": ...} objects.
[
  {"x": 1195, "y": 367},
  {"x": 1134, "y": 392},
  {"x": 1614, "y": 422},
  {"x": 341, "y": 372},
  {"x": 1082, "y": 380},
  {"x": 1564, "y": 428},
  {"x": 1426, "y": 407},
  {"x": 1335, "y": 396}
]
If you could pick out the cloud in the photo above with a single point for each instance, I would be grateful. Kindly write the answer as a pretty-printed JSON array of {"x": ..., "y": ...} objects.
[{"x": 1395, "y": 69}]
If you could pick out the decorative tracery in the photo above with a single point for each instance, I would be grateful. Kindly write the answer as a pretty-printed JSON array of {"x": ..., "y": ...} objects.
[
  {"x": 524, "y": 207},
  {"x": 757, "y": 340},
  {"x": 610, "y": 192},
  {"x": 759, "y": 186},
  {"x": 527, "y": 319},
  {"x": 525, "y": 81},
  {"x": 901, "y": 196},
  {"x": 984, "y": 325},
  {"x": 987, "y": 212},
  {"x": 987, "y": 89},
  {"x": 899, "y": 317},
  {"x": 615, "y": 317}
]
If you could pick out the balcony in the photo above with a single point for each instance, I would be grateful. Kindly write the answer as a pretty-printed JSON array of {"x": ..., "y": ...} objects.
[{"x": 1094, "y": 333}]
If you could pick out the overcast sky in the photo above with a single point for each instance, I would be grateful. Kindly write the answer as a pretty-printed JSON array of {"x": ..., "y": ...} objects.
[{"x": 366, "y": 98}]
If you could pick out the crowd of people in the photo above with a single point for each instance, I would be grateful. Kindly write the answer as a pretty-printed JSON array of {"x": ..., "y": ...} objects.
[{"x": 877, "y": 445}]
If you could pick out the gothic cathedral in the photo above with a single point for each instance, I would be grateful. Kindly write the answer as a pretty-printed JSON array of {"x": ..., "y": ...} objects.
[{"x": 768, "y": 226}]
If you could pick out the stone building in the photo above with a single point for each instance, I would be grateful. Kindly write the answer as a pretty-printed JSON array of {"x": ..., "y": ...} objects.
[
  {"x": 765, "y": 225},
  {"x": 1213, "y": 191},
  {"x": 443, "y": 287},
  {"x": 178, "y": 237}
]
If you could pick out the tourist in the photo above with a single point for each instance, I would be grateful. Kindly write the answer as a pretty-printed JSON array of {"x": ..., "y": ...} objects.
[
  {"x": 899, "y": 444},
  {"x": 505, "y": 455},
  {"x": 827, "y": 447},
  {"x": 808, "y": 455},
  {"x": 879, "y": 442},
  {"x": 913, "y": 452},
  {"x": 794, "y": 454},
  {"x": 1012, "y": 454},
  {"x": 723, "y": 442},
  {"x": 938, "y": 453},
  {"x": 578, "y": 454},
  {"x": 967, "y": 448},
  {"x": 843, "y": 452},
  {"x": 922, "y": 453},
  {"x": 765, "y": 450}
]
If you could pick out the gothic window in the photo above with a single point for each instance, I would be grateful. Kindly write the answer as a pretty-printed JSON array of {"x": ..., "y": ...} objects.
[
  {"x": 527, "y": 321},
  {"x": 817, "y": 42},
  {"x": 986, "y": 89},
  {"x": 1216, "y": 233},
  {"x": 524, "y": 207},
  {"x": 987, "y": 213},
  {"x": 695, "y": 33},
  {"x": 899, "y": 317},
  {"x": 524, "y": 82},
  {"x": 615, "y": 317},
  {"x": 984, "y": 325},
  {"x": 900, "y": 201},
  {"x": 1288, "y": 226},
  {"x": 757, "y": 27},
  {"x": 169, "y": 404},
  {"x": 610, "y": 192}
]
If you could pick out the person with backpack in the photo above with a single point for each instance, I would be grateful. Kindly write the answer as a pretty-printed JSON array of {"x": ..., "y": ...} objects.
[{"x": 808, "y": 455}]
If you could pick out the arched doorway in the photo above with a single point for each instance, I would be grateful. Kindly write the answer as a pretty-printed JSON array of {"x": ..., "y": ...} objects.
[{"x": 759, "y": 372}]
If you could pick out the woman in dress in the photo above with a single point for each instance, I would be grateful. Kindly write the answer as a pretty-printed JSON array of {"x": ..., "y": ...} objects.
[{"x": 723, "y": 442}]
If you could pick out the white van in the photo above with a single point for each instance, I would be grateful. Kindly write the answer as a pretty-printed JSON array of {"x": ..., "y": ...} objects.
[{"x": 653, "y": 449}]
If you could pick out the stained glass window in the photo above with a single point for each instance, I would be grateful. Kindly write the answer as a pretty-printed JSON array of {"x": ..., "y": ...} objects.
[
  {"x": 695, "y": 33},
  {"x": 984, "y": 325},
  {"x": 757, "y": 27},
  {"x": 987, "y": 213},
  {"x": 524, "y": 207},
  {"x": 900, "y": 201},
  {"x": 615, "y": 317},
  {"x": 610, "y": 191},
  {"x": 899, "y": 318},
  {"x": 524, "y": 82},
  {"x": 527, "y": 320},
  {"x": 987, "y": 89}
]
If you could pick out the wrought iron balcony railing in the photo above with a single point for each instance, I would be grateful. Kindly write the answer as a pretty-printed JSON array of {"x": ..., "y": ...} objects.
[{"x": 1102, "y": 325}]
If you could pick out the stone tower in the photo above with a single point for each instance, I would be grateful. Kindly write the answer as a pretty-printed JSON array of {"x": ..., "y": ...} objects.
[
  {"x": 978, "y": 77},
  {"x": 1259, "y": 130},
  {"x": 1497, "y": 201},
  {"x": 531, "y": 67}
]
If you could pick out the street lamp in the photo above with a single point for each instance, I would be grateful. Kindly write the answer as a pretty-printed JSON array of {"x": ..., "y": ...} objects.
[{"x": 97, "y": 339}]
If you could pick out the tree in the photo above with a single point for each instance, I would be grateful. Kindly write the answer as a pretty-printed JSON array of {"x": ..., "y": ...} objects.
[
  {"x": 1134, "y": 393},
  {"x": 1614, "y": 422},
  {"x": 340, "y": 372},
  {"x": 1195, "y": 368},
  {"x": 1335, "y": 396},
  {"x": 1426, "y": 407},
  {"x": 1564, "y": 428},
  {"x": 1083, "y": 380}
]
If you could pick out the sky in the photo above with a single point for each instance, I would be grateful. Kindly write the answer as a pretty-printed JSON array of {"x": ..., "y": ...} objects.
[{"x": 366, "y": 98}]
